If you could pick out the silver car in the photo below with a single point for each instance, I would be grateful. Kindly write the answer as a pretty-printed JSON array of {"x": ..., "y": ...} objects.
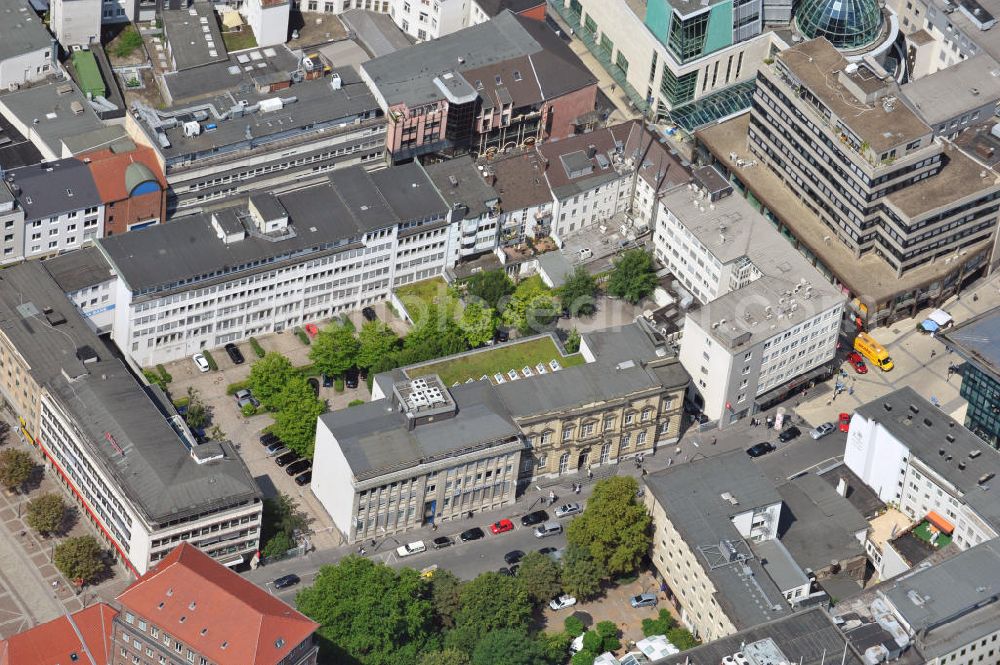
[
  {"x": 822, "y": 430},
  {"x": 568, "y": 509}
]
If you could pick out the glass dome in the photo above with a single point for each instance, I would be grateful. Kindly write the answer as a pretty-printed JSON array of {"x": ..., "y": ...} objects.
[{"x": 848, "y": 24}]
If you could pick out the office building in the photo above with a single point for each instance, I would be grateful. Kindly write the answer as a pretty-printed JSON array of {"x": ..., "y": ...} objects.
[
  {"x": 525, "y": 198},
  {"x": 76, "y": 22},
  {"x": 130, "y": 184},
  {"x": 12, "y": 219},
  {"x": 26, "y": 47},
  {"x": 506, "y": 82},
  {"x": 475, "y": 207},
  {"x": 953, "y": 99},
  {"x": 56, "y": 118},
  {"x": 276, "y": 262},
  {"x": 189, "y": 609},
  {"x": 977, "y": 341},
  {"x": 934, "y": 470},
  {"x": 81, "y": 637},
  {"x": 87, "y": 280},
  {"x": 940, "y": 34},
  {"x": 269, "y": 21},
  {"x": 116, "y": 444}
]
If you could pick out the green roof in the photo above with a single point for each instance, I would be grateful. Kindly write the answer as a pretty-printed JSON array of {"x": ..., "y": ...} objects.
[{"x": 87, "y": 73}]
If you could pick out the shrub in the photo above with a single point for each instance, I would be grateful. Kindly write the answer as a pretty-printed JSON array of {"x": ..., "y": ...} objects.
[
  {"x": 233, "y": 388},
  {"x": 257, "y": 348},
  {"x": 356, "y": 402},
  {"x": 164, "y": 374},
  {"x": 301, "y": 334},
  {"x": 212, "y": 365},
  {"x": 248, "y": 410},
  {"x": 574, "y": 626},
  {"x": 347, "y": 323},
  {"x": 153, "y": 378},
  {"x": 338, "y": 385},
  {"x": 181, "y": 402},
  {"x": 592, "y": 642},
  {"x": 658, "y": 626},
  {"x": 129, "y": 41}
]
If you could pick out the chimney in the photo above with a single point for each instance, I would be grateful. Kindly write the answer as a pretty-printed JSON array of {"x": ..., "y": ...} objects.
[{"x": 842, "y": 486}]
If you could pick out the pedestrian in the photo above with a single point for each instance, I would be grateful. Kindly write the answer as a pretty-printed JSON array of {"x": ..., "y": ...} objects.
[
  {"x": 714, "y": 439},
  {"x": 362, "y": 551},
  {"x": 373, "y": 542},
  {"x": 850, "y": 391},
  {"x": 590, "y": 474},
  {"x": 933, "y": 352}
]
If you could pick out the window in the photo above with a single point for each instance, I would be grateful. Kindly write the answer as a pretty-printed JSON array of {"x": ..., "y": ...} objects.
[
  {"x": 587, "y": 430},
  {"x": 626, "y": 439},
  {"x": 640, "y": 438},
  {"x": 646, "y": 413}
]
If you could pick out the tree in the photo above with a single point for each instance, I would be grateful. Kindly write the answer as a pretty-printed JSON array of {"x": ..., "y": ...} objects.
[
  {"x": 435, "y": 336},
  {"x": 633, "y": 277},
  {"x": 335, "y": 350},
  {"x": 608, "y": 632},
  {"x": 573, "y": 341},
  {"x": 489, "y": 603},
  {"x": 282, "y": 513},
  {"x": 583, "y": 657},
  {"x": 682, "y": 638},
  {"x": 539, "y": 575},
  {"x": 531, "y": 308},
  {"x": 574, "y": 626},
  {"x": 375, "y": 341},
  {"x": 555, "y": 645},
  {"x": 445, "y": 657},
  {"x": 46, "y": 513},
  {"x": 491, "y": 287},
  {"x": 479, "y": 323},
  {"x": 578, "y": 293},
  {"x": 369, "y": 613},
  {"x": 196, "y": 414},
  {"x": 16, "y": 467},
  {"x": 268, "y": 377},
  {"x": 445, "y": 594},
  {"x": 660, "y": 625},
  {"x": 80, "y": 559},
  {"x": 613, "y": 526},
  {"x": 581, "y": 575},
  {"x": 280, "y": 543},
  {"x": 508, "y": 647},
  {"x": 295, "y": 420}
]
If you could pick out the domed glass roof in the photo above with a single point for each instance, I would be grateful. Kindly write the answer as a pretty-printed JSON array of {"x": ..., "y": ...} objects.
[{"x": 848, "y": 24}]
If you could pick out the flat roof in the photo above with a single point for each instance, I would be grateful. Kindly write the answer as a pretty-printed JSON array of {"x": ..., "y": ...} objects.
[
  {"x": 459, "y": 182},
  {"x": 376, "y": 32},
  {"x": 15, "y": 149},
  {"x": 952, "y": 91},
  {"x": 79, "y": 269},
  {"x": 816, "y": 63},
  {"x": 818, "y": 524},
  {"x": 779, "y": 564},
  {"x": 961, "y": 177},
  {"x": 51, "y": 105},
  {"x": 193, "y": 34},
  {"x": 236, "y": 73},
  {"x": 53, "y": 188},
  {"x": 978, "y": 341},
  {"x": 21, "y": 31}
]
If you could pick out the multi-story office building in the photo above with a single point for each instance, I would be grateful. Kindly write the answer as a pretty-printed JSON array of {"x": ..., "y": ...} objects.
[
  {"x": 279, "y": 262},
  {"x": 977, "y": 341},
  {"x": 269, "y": 128},
  {"x": 940, "y": 34},
  {"x": 26, "y": 47},
  {"x": 76, "y": 22},
  {"x": 189, "y": 609},
  {"x": 923, "y": 462},
  {"x": 56, "y": 118},
  {"x": 475, "y": 207},
  {"x": 131, "y": 185},
  {"x": 117, "y": 445},
  {"x": 504, "y": 83},
  {"x": 86, "y": 279},
  {"x": 954, "y": 99}
]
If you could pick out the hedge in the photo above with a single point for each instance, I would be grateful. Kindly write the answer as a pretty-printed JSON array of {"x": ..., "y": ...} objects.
[
  {"x": 212, "y": 365},
  {"x": 301, "y": 334},
  {"x": 356, "y": 402},
  {"x": 233, "y": 388},
  {"x": 338, "y": 385},
  {"x": 257, "y": 348},
  {"x": 164, "y": 374}
]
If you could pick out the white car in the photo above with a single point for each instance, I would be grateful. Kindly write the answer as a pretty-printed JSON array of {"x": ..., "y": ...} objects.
[
  {"x": 416, "y": 547},
  {"x": 201, "y": 362},
  {"x": 562, "y": 602},
  {"x": 568, "y": 509},
  {"x": 822, "y": 430}
]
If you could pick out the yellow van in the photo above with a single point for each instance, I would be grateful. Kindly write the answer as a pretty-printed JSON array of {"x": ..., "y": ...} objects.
[{"x": 866, "y": 345}]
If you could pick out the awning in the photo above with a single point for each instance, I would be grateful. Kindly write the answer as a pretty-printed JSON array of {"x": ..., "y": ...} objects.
[
  {"x": 232, "y": 20},
  {"x": 779, "y": 392},
  {"x": 233, "y": 562},
  {"x": 940, "y": 317},
  {"x": 929, "y": 326},
  {"x": 941, "y": 523}
]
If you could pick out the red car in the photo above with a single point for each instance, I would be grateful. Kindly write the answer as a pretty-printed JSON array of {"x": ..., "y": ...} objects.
[
  {"x": 857, "y": 362},
  {"x": 845, "y": 422},
  {"x": 503, "y": 526}
]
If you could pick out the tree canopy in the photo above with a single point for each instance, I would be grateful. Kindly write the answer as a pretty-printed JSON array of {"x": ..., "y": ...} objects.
[
  {"x": 478, "y": 323},
  {"x": 613, "y": 527},
  {"x": 295, "y": 419},
  {"x": 16, "y": 467},
  {"x": 488, "y": 603},
  {"x": 578, "y": 294},
  {"x": 80, "y": 559},
  {"x": 508, "y": 647},
  {"x": 491, "y": 286},
  {"x": 581, "y": 575},
  {"x": 531, "y": 308},
  {"x": 376, "y": 340},
  {"x": 268, "y": 377},
  {"x": 46, "y": 513},
  {"x": 435, "y": 336},
  {"x": 335, "y": 350},
  {"x": 633, "y": 277},
  {"x": 539, "y": 575}
]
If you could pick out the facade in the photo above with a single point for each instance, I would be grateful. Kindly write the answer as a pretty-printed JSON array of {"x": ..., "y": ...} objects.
[
  {"x": 505, "y": 83},
  {"x": 269, "y": 20},
  {"x": 475, "y": 207},
  {"x": 189, "y": 609},
  {"x": 86, "y": 279},
  {"x": 76, "y": 22},
  {"x": 954, "y": 99},
  {"x": 131, "y": 186},
  {"x": 25, "y": 46},
  {"x": 525, "y": 197},
  {"x": 83, "y": 636},
  {"x": 12, "y": 218},
  {"x": 941, "y": 34},
  {"x": 56, "y": 118},
  {"x": 976, "y": 342},
  {"x": 278, "y": 262},
  {"x": 927, "y": 465}
]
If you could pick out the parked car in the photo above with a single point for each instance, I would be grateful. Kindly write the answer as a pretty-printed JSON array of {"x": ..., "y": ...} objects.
[
  {"x": 822, "y": 430},
  {"x": 244, "y": 397},
  {"x": 790, "y": 433},
  {"x": 562, "y": 602},
  {"x": 369, "y": 314},
  {"x": 201, "y": 362},
  {"x": 286, "y": 458},
  {"x": 502, "y": 335},
  {"x": 643, "y": 600},
  {"x": 568, "y": 509},
  {"x": 844, "y": 422},
  {"x": 475, "y": 533},
  {"x": 857, "y": 362},
  {"x": 234, "y": 353},
  {"x": 506, "y": 572},
  {"x": 311, "y": 330},
  {"x": 537, "y": 517},
  {"x": 513, "y": 557},
  {"x": 295, "y": 468},
  {"x": 416, "y": 547},
  {"x": 304, "y": 479},
  {"x": 327, "y": 381},
  {"x": 277, "y": 448},
  {"x": 502, "y": 526},
  {"x": 759, "y": 449},
  {"x": 267, "y": 438},
  {"x": 351, "y": 377},
  {"x": 442, "y": 542},
  {"x": 548, "y": 529},
  {"x": 547, "y": 551},
  {"x": 314, "y": 384},
  {"x": 286, "y": 581}
]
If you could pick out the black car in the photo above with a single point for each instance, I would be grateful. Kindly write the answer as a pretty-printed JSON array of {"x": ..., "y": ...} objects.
[
  {"x": 286, "y": 458},
  {"x": 442, "y": 541},
  {"x": 267, "y": 438},
  {"x": 789, "y": 434},
  {"x": 234, "y": 353},
  {"x": 547, "y": 550},
  {"x": 512, "y": 557},
  {"x": 303, "y": 479},
  {"x": 327, "y": 381},
  {"x": 286, "y": 581},
  {"x": 506, "y": 572},
  {"x": 314, "y": 384},
  {"x": 295, "y": 468},
  {"x": 759, "y": 449},
  {"x": 501, "y": 335},
  {"x": 475, "y": 533},
  {"x": 537, "y": 517},
  {"x": 369, "y": 314},
  {"x": 351, "y": 378}
]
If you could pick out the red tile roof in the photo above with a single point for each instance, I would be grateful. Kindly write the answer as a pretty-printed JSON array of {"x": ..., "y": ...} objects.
[
  {"x": 53, "y": 643},
  {"x": 207, "y": 606},
  {"x": 108, "y": 169}
]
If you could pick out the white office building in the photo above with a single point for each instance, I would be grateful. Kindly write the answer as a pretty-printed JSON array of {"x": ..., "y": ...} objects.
[
  {"x": 25, "y": 45},
  {"x": 475, "y": 207}
]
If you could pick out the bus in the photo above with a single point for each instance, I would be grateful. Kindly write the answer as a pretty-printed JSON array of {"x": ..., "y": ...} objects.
[{"x": 866, "y": 345}]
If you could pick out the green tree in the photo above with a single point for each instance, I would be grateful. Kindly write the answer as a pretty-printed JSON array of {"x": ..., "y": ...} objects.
[
  {"x": 593, "y": 642},
  {"x": 584, "y": 657},
  {"x": 581, "y": 575},
  {"x": 445, "y": 594},
  {"x": 661, "y": 625},
  {"x": 489, "y": 603},
  {"x": 573, "y": 341},
  {"x": 281, "y": 515},
  {"x": 578, "y": 293},
  {"x": 574, "y": 626},
  {"x": 196, "y": 415},
  {"x": 613, "y": 526},
  {"x": 508, "y": 647},
  {"x": 295, "y": 420},
  {"x": 268, "y": 377},
  {"x": 435, "y": 336},
  {"x": 80, "y": 559},
  {"x": 531, "y": 308},
  {"x": 555, "y": 645},
  {"x": 280, "y": 543},
  {"x": 682, "y": 638},
  {"x": 370, "y": 614},
  {"x": 539, "y": 575},
  {"x": 375, "y": 340},
  {"x": 46, "y": 513},
  {"x": 16, "y": 467},
  {"x": 335, "y": 350},
  {"x": 492, "y": 287},
  {"x": 633, "y": 277},
  {"x": 608, "y": 632},
  {"x": 445, "y": 657},
  {"x": 479, "y": 323}
]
